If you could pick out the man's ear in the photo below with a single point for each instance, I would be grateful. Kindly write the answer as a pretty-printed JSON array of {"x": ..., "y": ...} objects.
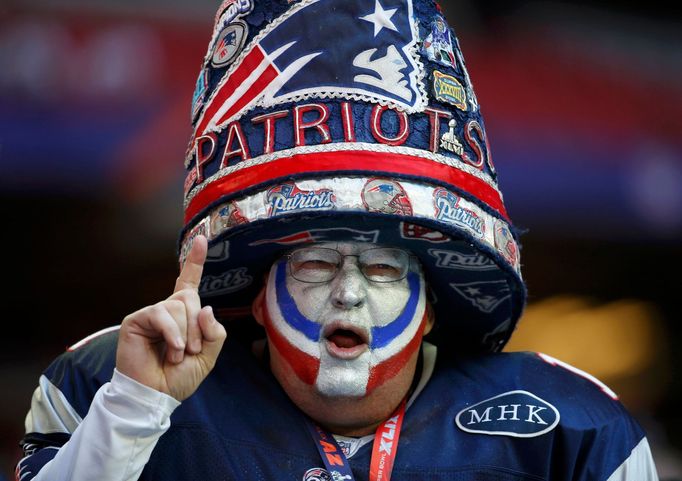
[
  {"x": 258, "y": 304},
  {"x": 430, "y": 318}
]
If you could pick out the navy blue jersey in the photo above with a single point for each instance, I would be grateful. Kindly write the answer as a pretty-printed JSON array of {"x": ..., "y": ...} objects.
[{"x": 505, "y": 416}]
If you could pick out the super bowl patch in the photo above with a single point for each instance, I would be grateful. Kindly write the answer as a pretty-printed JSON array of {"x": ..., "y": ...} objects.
[
  {"x": 449, "y": 140},
  {"x": 199, "y": 93},
  {"x": 448, "y": 89}
]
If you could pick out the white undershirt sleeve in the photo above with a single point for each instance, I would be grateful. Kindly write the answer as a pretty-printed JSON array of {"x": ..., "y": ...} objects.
[
  {"x": 639, "y": 466},
  {"x": 116, "y": 438}
]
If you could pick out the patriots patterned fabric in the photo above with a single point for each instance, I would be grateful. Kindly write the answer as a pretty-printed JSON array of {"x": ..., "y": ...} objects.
[
  {"x": 348, "y": 120},
  {"x": 507, "y": 417}
]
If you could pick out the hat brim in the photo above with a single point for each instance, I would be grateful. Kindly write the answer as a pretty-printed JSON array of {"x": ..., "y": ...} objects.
[{"x": 477, "y": 295}]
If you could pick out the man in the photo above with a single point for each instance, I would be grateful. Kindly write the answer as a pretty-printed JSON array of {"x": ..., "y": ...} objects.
[{"x": 341, "y": 195}]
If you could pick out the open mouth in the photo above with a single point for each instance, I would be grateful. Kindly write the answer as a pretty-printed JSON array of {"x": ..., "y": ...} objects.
[{"x": 345, "y": 342}]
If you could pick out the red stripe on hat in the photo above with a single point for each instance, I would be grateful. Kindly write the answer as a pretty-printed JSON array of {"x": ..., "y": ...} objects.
[
  {"x": 337, "y": 162},
  {"x": 248, "y": 65},
  {"x": 254, "y": 91}
]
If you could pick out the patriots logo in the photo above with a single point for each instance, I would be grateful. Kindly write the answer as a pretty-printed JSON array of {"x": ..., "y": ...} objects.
[
  {"x": 414, "y": 231},
  {"x": 289, "y": 198},
  {"x": 363, "y": 49},
  {"x": 230, "y": 43},
  {"x": 386, "y": 196},
  {"x": 485, "y": 296}
]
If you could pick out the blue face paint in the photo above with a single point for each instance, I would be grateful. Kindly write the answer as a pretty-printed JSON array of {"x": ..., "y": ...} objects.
[
  {"x": 381, "y": 335},
  {"x": 289, "y": 310}
]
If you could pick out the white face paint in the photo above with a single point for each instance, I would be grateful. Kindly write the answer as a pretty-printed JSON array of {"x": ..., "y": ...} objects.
[{"x": 348, "y": 335}]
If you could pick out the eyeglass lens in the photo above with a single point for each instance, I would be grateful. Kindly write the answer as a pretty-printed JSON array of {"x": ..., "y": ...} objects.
[{"x": 320, "y": 264}]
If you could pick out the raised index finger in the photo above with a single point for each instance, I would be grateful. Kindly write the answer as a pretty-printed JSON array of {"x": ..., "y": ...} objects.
[{"x": 190, "y": 276}]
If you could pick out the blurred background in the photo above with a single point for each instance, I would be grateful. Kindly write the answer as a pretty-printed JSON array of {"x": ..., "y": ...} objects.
[{"x": 583, "y": 107}]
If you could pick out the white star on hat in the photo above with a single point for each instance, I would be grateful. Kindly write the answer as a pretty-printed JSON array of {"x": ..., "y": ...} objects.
[{"x": 381, "y": 18}]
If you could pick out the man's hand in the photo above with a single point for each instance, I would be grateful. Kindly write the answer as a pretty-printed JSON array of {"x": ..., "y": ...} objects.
[{"x": 173, "y": 345}]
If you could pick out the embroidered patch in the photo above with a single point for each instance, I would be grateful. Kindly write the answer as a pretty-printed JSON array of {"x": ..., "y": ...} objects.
[
  {"x": 437, "y": 45},
  {"x": 229, "y": 281},
  {"x": 199, "y": 93},
  {"x": 228, "y": 12},
  {"x": 458, "y": 260},
  {"x": 519, "y": 414},
  {"x": 229, "y": 44},
  {"x": 505, "y": 243},
  {"x": 447, "y": 88},
  {"x": 414, "y": 231},
  {"x": 387, "y": 196},
  {"x": 485, "y": 296},
  {"x": 448, "y": 209},
  {"x": 289, "y": 198},
  {"x": 202, "y": 228},
  {"x": 374, "y": 59},
  {"x": 226, "y": 216},
  {"x": 449, "y": 140}
]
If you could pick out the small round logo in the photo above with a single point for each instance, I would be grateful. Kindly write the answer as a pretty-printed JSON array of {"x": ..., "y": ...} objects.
[
  {"x": 386, "y": 196},
  {"x": 505, "y": 243},
  {"x": 229, "y": 44},
  {"x": 317, "y": 474},
  {"x": 225, "y": 217}
]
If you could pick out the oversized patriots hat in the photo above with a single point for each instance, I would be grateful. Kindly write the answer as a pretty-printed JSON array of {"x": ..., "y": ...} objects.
[{"x": 348, "y": 120}]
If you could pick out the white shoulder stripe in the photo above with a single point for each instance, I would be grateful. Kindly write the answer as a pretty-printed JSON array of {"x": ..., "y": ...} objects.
[
  {"x": 575, "y": 370},
  {"x": 50, "y": 411},
  {"x": 84, "y": 341},
  {"x": 639, "y": 466}
]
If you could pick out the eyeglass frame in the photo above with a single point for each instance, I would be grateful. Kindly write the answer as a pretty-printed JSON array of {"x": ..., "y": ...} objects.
[{"x": 338, "y": 267}]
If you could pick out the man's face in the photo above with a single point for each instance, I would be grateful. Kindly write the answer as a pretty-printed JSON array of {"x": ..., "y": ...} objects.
[{"x": 336, "y": 320}]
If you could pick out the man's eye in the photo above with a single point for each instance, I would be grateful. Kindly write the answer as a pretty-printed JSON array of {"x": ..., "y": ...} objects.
[
  {"x": 381, "y": 270},
  {"x": 315, "y": 264}
]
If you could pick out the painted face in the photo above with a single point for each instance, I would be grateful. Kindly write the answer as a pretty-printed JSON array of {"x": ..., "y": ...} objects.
[{"x": 349, "y": 334}]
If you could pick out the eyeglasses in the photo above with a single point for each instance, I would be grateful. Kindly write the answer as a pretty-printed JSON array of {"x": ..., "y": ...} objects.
[{"x": 320, "y": 264}]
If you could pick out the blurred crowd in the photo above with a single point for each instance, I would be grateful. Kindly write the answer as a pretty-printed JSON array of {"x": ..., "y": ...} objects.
[{"x": 583, "y": 106}]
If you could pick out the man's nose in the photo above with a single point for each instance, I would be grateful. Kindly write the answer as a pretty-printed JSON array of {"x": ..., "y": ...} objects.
[{"x": 349, "y": 287}]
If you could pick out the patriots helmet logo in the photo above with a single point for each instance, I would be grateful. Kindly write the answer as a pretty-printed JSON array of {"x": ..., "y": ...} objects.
[
  {"x": 366, "y": 49},
  {"x": 387, "y": 196}
]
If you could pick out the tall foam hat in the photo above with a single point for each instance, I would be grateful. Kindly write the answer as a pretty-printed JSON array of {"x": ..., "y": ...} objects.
[{"x": 348, "y": 120}]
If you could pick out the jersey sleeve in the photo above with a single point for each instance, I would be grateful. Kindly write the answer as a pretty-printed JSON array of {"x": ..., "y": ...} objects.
[
  {"x": 81, "y": 429},
  {"x": 604, "y": 441}
]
